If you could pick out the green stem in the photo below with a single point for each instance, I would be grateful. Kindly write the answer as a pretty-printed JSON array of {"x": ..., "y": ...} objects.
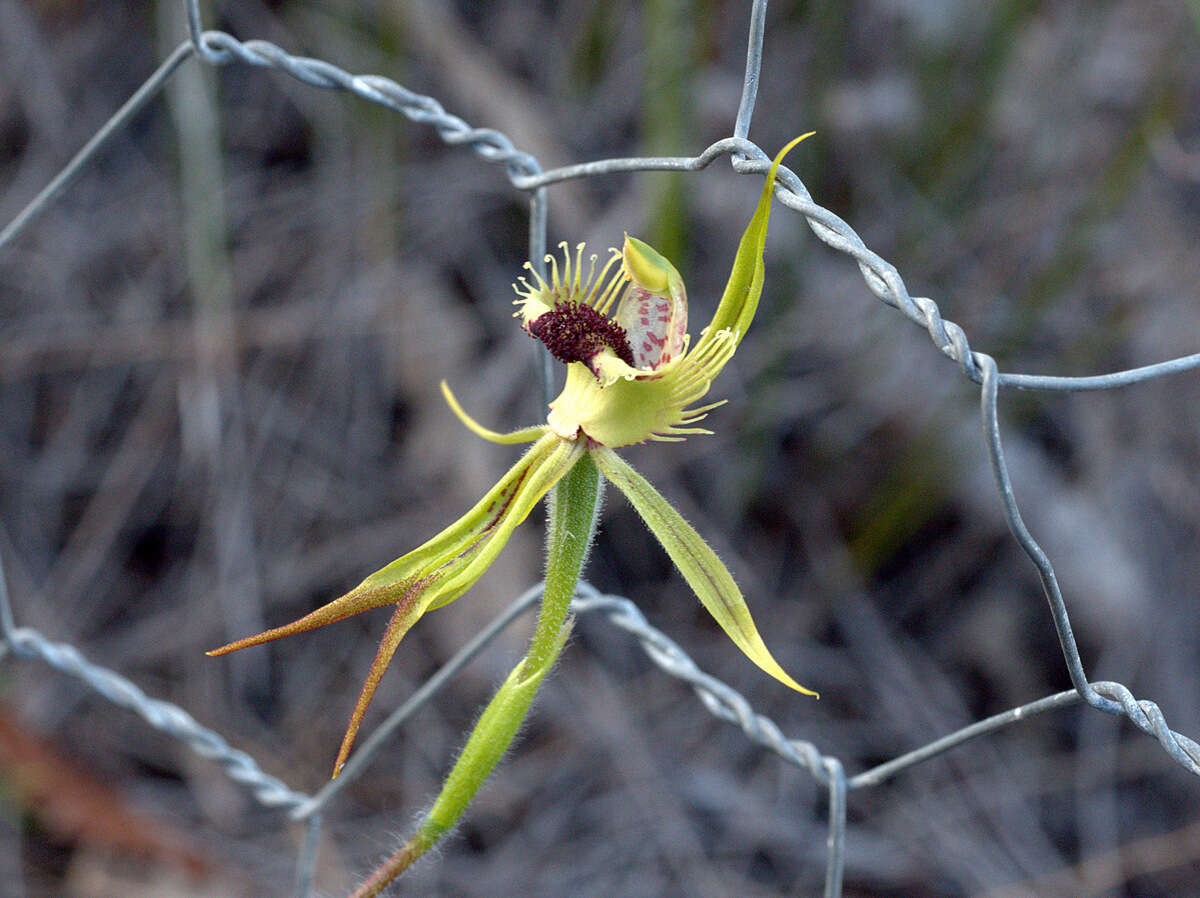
[
  {"x": 574, "y": 505},
  {"x": 573, "y": 508}
]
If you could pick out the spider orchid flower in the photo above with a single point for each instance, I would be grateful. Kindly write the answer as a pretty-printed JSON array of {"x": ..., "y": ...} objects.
[{"x": 631, "y": 377}]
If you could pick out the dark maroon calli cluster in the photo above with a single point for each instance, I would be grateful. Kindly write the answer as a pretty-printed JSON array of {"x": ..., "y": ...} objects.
[{"x": 575, "y": 333}]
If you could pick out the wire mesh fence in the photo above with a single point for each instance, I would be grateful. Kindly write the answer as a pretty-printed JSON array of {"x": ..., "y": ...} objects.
[{"x": 208, "y": 406}]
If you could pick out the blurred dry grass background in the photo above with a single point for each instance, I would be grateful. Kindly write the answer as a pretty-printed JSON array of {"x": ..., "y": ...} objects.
[{"x": 219, "y": 354}]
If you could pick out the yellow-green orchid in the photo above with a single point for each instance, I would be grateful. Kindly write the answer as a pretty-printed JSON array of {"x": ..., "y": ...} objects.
[{"x": 631, "y": 377}]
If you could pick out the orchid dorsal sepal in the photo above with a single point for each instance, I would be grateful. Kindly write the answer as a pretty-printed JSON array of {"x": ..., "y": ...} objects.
[
  {"x": 649, "y": 268},
  {"x": 653, "y": 311}
]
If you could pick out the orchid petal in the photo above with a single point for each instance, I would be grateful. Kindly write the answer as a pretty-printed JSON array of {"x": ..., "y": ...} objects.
[
  {"x": 524, "y": 435},
  {"x": 742, "y": 292},
  {"x": 700, "y": 566}
]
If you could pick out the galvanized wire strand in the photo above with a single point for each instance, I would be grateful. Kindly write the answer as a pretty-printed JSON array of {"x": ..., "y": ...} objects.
[
  {"x": 169, "y": 718},
  {"x": 618, "y": 165},
  {"x": 165, "y": 716},
  {"x": 149, "y": 89},
  {"x": 835, "y": 841},
  {"x": 219, "y": 48},
  {"x": 306, "y": 859},
  {"x": 1111, "y": 381},
  {"x": 1144, "y": 714},
  {"x": 537, "y": 254},
  {"x": 7, "y": 622},
  {"x": 196, "y": 28},
  {"x": 724, "y": 702},
  {"x": 888, "y": 769},
  {"x": 720, "y": 699},
  {"x": 487, "y": 142},
  {"x": 1148, "y": 717},
  {"x": 1058, "y": 607},
  {"x": 758, "y": 25}
]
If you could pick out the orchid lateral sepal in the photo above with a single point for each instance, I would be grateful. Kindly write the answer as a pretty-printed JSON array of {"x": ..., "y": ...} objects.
[
  {"x": 439, "y": 571},
  {"x": 653, "y": 309},
  {"x": 574, "y": 503}
]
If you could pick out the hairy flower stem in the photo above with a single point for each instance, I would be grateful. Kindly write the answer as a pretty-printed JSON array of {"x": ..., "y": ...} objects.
[{"x": 574, "y": 504}]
